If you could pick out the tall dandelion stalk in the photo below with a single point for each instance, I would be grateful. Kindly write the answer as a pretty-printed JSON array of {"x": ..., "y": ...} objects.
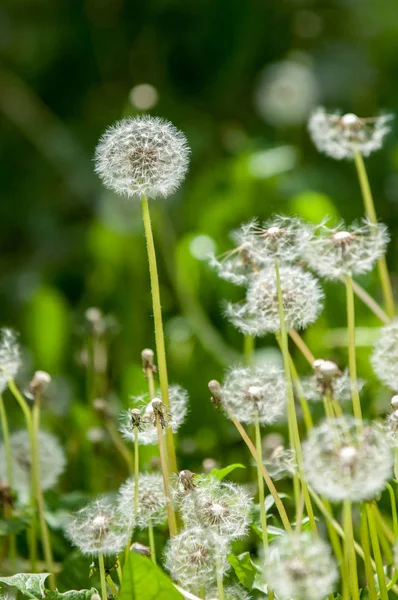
[{"x": 146, "y": 157}]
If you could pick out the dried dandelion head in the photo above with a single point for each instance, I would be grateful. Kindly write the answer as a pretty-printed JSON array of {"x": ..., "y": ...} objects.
[
  {"x": 142, "y": 156},
  {"x": 341, "y": 136}
]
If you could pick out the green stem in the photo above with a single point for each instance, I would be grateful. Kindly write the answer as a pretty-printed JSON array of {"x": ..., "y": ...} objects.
[
  {"x": 32, "y": 535},
  {"x": 260, "y": 483},
  {"x": 367, "y": 555},
  {"x": 270, "y": 484},
  {"x": 101, "y": 564},
  {"x": 136, "y": 473},
  {"x": 291, "y": 409},
  {"x": 376, "y": 551},
  {"x": 393, "y": 511},
  {"x": 371, "y": 214},
  {"x": 352, "y": 363},
  {"x": 159, "y": 335},
  {"x": 370, "y": 302},
  {"x": 45, "y": 537},
  {"x": 7, "y": 447},
  {"x": 349, "y": 549},
  {"x": 119, "y": 444},
  {"x": 248, "y": 349},
  {"x": 303, "y": 401},
  {"x": 165, "y": 472},
  {"x": 112, "y": 585},
  {"x": 219, "y": 574},
  {"x": 152, "y": 543}
]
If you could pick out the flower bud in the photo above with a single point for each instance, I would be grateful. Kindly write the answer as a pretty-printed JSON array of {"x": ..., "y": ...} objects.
[
  {"x": 39, "y": 383},
  {"x": 216, "y": 393},
  {"x": 394, "y": 402},
  {"x": 140, "y": 549},
  {"x": 147, "y": 356}
]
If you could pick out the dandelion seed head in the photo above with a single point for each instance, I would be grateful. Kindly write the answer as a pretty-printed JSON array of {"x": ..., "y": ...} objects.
[
  {"x": 142, "y": 156},
  {"x": 300, "y": 567},
  {"x": 267, "y": 404},
  {"x": 328, "y": 379},
  {"x": 191, "y": 557},
  {"x": 341, "y": 136},
  {"x": 151, "y": 509},
  {"x": 384, "y": 359},
  {"x": 96, "y": 529},
  {"x": 346, "y": 460},
  {"x": 302, "y": 299},
  {"x": 281, "y": 463},
  {"x": 222, "y": 506},
  {"x": 394, "y": 402},
  {"x": 51, "y": 460},
  {"x": 147, "y": 432},
  {"x": 333, "y": 252},
  {"x": 10, "y": 357}
]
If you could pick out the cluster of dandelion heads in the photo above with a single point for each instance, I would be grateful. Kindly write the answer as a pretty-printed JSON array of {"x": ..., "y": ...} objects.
[
  {"x": 341, "y": 136},
  {"x": 257, "y": 393},
  {"x": 221, "y": 506},
  {"x": 10, "y": 357},
  {"x": 192, "y": 556},
  {"x": 347, "y": 460},
  {"x": 147, "y": 431},
  {"x": 335, "y": 252},
  {"x": 327, "y": 379},
  {"x": 51, "y": 462},
  {"x": 300, "y": 567},
  {"x": 384, "y": 357},
  {"x": 142, "y": 156},
  {"x": 302, "y": 299},
  {"x": 151, "y": 508},
  {"x": 96, "y": 529}
]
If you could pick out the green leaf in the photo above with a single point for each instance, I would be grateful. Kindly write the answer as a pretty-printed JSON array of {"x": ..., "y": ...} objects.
[
  {"x": 142, "y": 580},
  {"x": 30, "y": 584},
  {"x": 13, "y": 525},
  {"x": 269, "y": 501},
  {"x": 222, "y": 473},
  {"x": 244, "y": 568},
  {"x": 71, "y": 595}
]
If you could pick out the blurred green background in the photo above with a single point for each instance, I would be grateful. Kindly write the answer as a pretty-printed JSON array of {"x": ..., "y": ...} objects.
[{"x": 239, "y": 77}]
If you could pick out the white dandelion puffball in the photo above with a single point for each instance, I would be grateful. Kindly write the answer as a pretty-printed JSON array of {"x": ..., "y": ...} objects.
[
  {"x": 300, "y": 567},
  {"x": 221, "y": 506},
  {"x": 192, "y": 555},
  {"x": 347, "y": 460},
  {"x": 302, "y": 299},
  {"x": 51, "y": 462},
  {"x": 341, "y": 136},
  {"x": 384, "y": 358},
  {"x": 255, "y": 393},
  {"x": 335, "y": 252},
  {"x": 147, "y": 431},
  {"x": 231, "y": 592},
  {"x": 96, "y": 529},
  {"x": 338, "y": 386},
  {"x": 142, "y": 156},
  {"x": 390, "y": 428},
  {"x": 281, "y": 463},
  {"x": 151, "y": 508},
  {"x": 10, "y": 358}
]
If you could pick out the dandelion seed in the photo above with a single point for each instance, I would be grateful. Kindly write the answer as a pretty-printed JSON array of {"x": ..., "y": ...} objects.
[
  {"x": 222, "y": 506},
  {"x": 259, "y": 314},
  {"x": 147, "y": 432},
  {"x": 96, "y": 529},
  {"x": 191, "y": 558},
  {"x": 151, "y": 508},
  {"x": 335, "y": 252},
  {"x": 340, "y": 136},
  {"x": 142, "y": 156},
  {"x": 10, "y": 357},
  {"x": 251, "y": 394},
  {"x": 384, "y": 358},
  {"x": 51, "y": 461},
  {"x": 345, "y": 460},
  {"x": 300, "y": 567}
]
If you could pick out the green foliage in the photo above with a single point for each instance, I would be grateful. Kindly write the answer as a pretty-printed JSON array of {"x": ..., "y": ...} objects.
[
  {"x": 29, "y": 584},
  {"x": 222, "y": 473},
  {"x": 143, "y": 580},
  {"x": 244, "y": 568},
  {"x": 14, "y": 524}
]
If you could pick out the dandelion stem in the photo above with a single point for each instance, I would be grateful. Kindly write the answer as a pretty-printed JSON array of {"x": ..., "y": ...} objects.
[
  {"x": 376, "y": 551},
  {"x": 370, "y": 302},
  {"x": 273, "y": 491},
  {"x": 220, "y": 583},
  {"x": 6, "y": 439},
  {"x": 371, "y": 213},
  {"x": 152, "y": 543},
  {"x": 367, "y": 555},
  {"x": 159, "y": 335},
  {"x": 112, "y": 585},
  {"x": 291, "y": 409},
  {"x": 136, "y": 473},
  {"x": 302, "y": 346},
  {"x": 32, "y": 536},
  {"x": 260, "y": 483},
  {"x": 101, "y": 565},
  {"x": 303, "y": 401},
  {"x": 248, "y": 349},
  {"x": 349, "y": 550},
  {"x": 165, "y": 472},
  {"x": 393, "y": 511},
  {"x": 352, "y": 363},
  {"x": 45, "y": 537}
]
